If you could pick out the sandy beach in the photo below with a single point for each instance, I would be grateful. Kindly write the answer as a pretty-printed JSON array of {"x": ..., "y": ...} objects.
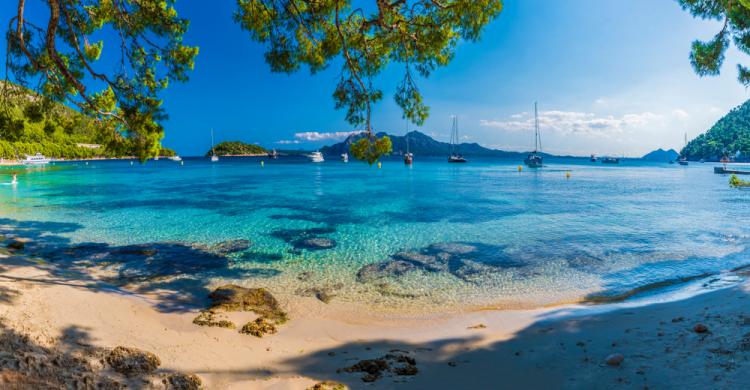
[{"x": 701, "y": 341}]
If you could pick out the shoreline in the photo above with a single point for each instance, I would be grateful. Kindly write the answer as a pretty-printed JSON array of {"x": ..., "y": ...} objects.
[{"x": 455, "y": 349}]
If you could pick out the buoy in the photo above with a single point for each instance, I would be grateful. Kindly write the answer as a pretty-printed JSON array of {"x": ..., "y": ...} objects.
[
  {"x": 567, "y": 175},
  {"x": 520, "y": 168},
  {"x": 182, "y": 162},
  {"x": 131, "y": 163},
  {"x": 380, "y": 165},
  {"x": 262, "y": 163}
]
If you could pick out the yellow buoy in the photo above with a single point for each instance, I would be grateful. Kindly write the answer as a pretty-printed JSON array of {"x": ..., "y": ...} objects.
[
  {"x": 520, "y": 168},
  {"x": 380, "y": 165},
  {"x": 567, "y": 175}
]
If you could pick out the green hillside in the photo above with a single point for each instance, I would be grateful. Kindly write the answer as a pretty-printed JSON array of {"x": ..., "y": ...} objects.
[
  {"x": 236, "y": 148},
  {"x": 728, "y": 136},
  {"x": 31, "y": 124}
]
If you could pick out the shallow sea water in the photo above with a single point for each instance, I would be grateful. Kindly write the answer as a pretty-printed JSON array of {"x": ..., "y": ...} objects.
[{"x": 435, "y": 236}]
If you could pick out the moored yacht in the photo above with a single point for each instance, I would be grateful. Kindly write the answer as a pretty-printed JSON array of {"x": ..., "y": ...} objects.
[
  {"x": 455, "y": 156},
  {"x": 316, "y": 157},
  {"x": 534, "y": 159}
]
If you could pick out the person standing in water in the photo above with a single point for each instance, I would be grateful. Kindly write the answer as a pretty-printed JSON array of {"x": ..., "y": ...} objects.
[{"x": 15, "y": 179}]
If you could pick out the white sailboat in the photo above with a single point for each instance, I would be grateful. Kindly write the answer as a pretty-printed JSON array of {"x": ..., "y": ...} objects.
[
  {"x": 214, "y": 157},
  {"x": 455, "y": 156},
  {"x": 534, "y": 159}
]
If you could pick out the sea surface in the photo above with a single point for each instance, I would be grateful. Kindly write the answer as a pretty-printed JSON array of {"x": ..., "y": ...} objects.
[{"x": 434, "y": 236}]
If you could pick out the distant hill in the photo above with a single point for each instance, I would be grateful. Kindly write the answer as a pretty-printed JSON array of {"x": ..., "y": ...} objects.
[
  {"x": 730, "y": 135},
  {"x": 423, "y": 145},
  {"x": 237, "y": 148},
  {"x": 661, "y": 155}
]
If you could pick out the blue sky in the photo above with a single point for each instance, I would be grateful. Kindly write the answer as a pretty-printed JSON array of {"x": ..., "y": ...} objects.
[{"x": 611, "y": 77}]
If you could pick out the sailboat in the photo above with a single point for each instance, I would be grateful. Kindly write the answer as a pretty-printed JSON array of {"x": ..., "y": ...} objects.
[
  {"x": 455, "y": 156},
  {"x": 273, "y": 154},
  {"x": 683, "y": 159},
  {"x": 408, "y": 156},
  {"x": 534, "y": 159},
  {"x": 214, "y": 157}
]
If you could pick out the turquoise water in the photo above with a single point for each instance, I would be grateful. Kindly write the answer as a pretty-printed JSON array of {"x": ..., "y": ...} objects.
[{"x": 435, "y": 235}]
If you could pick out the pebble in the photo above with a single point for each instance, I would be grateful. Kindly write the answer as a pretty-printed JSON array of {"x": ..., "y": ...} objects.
[
  {"x": 700, "y": 328},
  {"x": 615, "y": 359}
]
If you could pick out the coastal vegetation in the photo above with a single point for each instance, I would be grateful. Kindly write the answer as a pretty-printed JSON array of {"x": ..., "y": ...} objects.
[
  {"x": 736, "y": 182},
  {"x": 730, "y": 136},
  {"x": 31, "y": 123},
  {"x": 61, "y": 59},
  {"x": 236, "y": 148}
]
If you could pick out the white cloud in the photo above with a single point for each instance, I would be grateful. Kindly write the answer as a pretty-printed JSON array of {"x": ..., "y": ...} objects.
[
  {"x": 681, "y": 114},
  {"x": 317, "y": 136},
  {"x": 287, "y": 142},
  {"x": 567, "y": 122}
]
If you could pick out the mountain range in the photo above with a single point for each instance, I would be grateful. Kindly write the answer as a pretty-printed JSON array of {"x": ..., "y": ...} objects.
[
  {"x": 662, "y": 155},
  {"x": 423, "y": 145}
]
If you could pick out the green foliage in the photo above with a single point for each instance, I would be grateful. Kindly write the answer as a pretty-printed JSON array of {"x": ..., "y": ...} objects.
[
  {"x": 29, "y": 123},
  {"x": 370, "y": 149},
  {"x": 707, "y": 57},
  {"x": 731, "y": 134},
  {"x": 58, "y": 56},
  {"x": 236, "y": 148},
  {"x": 421, "y": 34},
  {"x": 736, "y": 182}
]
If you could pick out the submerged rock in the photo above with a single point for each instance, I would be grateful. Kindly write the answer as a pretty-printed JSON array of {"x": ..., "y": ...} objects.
[
  {"x": 16, "y": 245},
  {"x": 232, "y": 246},
  {"x": 700, "y": 328},
  {"x": 324, "y": 294},
  {"x": 615, "y": 359},
  {"x": 315, "y": 243},
  {"x": 258, "y": 300},
  {"x": 394, "y": 268},
  {"x": 180, "y": 381},
  {"x": 132, "y": 361},
  {"x": 259, "y": 328}
]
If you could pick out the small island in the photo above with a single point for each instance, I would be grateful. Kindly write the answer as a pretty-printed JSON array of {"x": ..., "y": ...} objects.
[{"x": 237, "y": 148}]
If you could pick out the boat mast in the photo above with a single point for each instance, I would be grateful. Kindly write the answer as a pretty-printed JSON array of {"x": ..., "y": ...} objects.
[
  {"x": 454, "y": 136},
  {"x": 537, "y": 139},
  {"x": 212, "y": 143}
]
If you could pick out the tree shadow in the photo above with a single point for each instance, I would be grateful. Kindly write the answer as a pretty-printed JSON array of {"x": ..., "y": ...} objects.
[
  {"x": 175, "y": 273},
  {"x": 564, "y": 348}
]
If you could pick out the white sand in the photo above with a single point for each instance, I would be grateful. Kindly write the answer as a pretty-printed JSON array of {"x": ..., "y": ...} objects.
[{"x": 517, "y": 349}]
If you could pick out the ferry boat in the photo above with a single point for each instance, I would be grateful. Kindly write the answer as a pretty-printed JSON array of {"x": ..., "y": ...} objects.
[
  {"x": 316, "y": 157},
  {"x": 37, "y": 159}
]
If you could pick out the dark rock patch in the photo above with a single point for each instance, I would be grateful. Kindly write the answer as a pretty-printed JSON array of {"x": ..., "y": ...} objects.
[
  {"x": 258, "y": 300},
  {"x": 180, "y": 381},
  {"x": 395, "y": 363},
  {"x": 259, "y": 328},
  {"x": 324, "y": 294},
  {"x": 208, "y": 318},
  {"x": 132, "y": 361},
  {"x": 16, "y": 245}
]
